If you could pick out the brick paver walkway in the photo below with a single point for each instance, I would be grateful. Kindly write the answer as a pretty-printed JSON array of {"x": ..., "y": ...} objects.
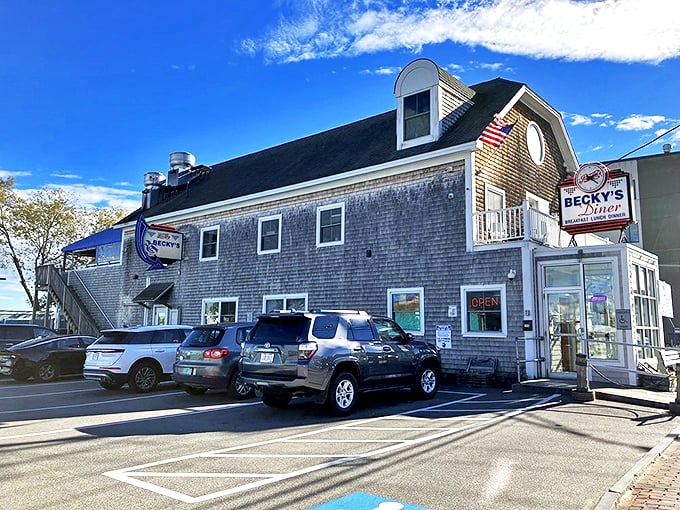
[{"x": 659, "y": 486}]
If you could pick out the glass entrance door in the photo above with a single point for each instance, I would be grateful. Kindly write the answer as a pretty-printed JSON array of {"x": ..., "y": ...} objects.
[{"x": 565, "y": 330}]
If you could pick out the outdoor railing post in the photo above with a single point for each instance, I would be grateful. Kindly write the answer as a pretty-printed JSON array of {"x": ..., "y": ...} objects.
[
  {"x": 582, "y": 393},
  {"x": 674, "y": 407}
]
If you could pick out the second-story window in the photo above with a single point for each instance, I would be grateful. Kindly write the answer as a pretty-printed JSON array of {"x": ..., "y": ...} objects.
[
  {"x": 330, "y": 225},
  {"x": 269, "y": 234},
  {"x": 209, "y": 243},
  {"x": 417, "y": 115}
]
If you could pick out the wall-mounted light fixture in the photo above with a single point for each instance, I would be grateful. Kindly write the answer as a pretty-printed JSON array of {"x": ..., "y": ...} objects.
[{"x": 511, "y": 274}]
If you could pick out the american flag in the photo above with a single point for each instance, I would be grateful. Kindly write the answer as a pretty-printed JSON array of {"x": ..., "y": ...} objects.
[{"x": 495, "y": 133}]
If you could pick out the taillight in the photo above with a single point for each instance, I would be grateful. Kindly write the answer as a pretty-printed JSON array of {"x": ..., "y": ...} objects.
[
  {"x": 215, "y": 353},
  {"x": 307, "y": 350}
]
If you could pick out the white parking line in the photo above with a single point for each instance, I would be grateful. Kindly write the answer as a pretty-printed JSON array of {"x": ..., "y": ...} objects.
[
  {"x": 137, "y": 475},
  {"x": 14, "y": 397}
]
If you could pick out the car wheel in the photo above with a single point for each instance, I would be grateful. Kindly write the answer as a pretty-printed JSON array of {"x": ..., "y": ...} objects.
[
  {"x": 427, "y": 381},
  {"x": 342, "y": 394},
  {"x": 110, "y": 385},
  {"x": 238, "y": 389},
  {"x": 276, "y": 400},
  {"x": 143, "y": 377},
  {"x": 191, "y": 390},
  {"x": 46, "y": 372}
]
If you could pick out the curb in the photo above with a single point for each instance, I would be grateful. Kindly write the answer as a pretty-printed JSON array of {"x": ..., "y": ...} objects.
[{"x": 613, "y": 495}]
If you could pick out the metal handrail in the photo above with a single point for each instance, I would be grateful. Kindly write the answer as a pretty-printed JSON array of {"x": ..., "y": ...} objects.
[
  {"x": 523, "y": 361},
  {"x": 87, "y": 291}
]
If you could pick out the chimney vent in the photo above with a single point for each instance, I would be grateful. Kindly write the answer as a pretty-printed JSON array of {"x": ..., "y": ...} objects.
[{"x": 180, "y": 163}]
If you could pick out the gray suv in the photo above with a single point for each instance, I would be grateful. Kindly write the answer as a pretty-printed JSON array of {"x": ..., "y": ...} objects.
[{"x": 333, "y": 356}]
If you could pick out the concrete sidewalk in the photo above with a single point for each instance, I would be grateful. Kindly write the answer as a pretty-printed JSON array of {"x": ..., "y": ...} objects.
[{"x": 654, "y": 482}]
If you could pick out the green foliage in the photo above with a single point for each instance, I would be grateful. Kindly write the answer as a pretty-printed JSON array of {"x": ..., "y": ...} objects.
[{"x": 35, "y": 226}]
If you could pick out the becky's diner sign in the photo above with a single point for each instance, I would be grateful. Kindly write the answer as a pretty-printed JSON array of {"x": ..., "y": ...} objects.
[{"x": 595, "y": 199}]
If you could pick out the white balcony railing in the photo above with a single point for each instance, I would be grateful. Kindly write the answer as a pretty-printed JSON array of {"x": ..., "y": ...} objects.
[{"x": 519, "y": 223}]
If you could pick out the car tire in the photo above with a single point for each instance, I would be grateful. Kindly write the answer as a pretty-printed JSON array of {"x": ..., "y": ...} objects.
[
  {"x": 110, "y": 385},
  {"x": 276, "y": 400},
  {"x": 238, "y": 389},
  {"x": 46, "y": 372},
  {"x": 342, "y": 394},
  {"x": 143, "y": 377},
  {"x": 192, "y": 390},
  {"x": 427, "y": 381}
]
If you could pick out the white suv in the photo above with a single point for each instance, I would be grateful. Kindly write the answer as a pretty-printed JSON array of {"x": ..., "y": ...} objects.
[{"x": 141, "y": 356}]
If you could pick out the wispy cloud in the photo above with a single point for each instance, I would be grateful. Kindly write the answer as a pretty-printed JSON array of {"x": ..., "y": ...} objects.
[
  {"x": 553, "y": 29},
  {"x": 67, "y": 176},
  {"x": 384, "y": 71}
]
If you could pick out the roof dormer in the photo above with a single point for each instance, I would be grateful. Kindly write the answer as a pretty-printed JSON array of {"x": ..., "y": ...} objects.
[{"x": 429, "y": 101}]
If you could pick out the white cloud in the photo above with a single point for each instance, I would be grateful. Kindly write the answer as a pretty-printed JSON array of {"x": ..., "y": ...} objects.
[
  {"x": 67, "y": 176},
  {"x": 4, "y": 174},
  {"x": 639, "y": 122},
  {"x": 612, "y": 30},
  {"x": 97, "y": 196},
  {"x": 576, "y": 119}
]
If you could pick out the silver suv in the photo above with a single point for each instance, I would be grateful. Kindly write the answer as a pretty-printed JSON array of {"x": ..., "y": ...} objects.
[
  {"x": 141, "y": 356},
  {"x": 333, "y": 356}
]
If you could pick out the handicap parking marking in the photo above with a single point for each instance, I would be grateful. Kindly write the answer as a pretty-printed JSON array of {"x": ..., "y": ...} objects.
[
  {"x": 241, "y": 467},
  {"x": 363, "y": 501}
]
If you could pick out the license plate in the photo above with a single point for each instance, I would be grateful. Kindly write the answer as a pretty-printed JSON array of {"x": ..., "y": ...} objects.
[
  {"x": 94, "y": 356},
  {"x": 185, "y": 371},
  {"x": 266, "y": 357}
]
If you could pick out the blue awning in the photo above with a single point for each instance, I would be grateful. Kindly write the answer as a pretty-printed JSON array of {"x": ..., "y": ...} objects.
[{"x": 108, "y": 236}]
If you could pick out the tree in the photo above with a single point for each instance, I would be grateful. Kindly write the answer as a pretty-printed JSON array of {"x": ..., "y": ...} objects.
[{"x": 34, "y": 228}]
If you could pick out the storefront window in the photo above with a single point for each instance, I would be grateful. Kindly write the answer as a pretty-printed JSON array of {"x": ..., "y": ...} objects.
[
  {"x": 484, "y": 311},
  {"x": 600, "y": 310},
  {"x": 643, "y": 282},
  {"x": 563, "y": 276},
  {"x": 405, "y": 306}
]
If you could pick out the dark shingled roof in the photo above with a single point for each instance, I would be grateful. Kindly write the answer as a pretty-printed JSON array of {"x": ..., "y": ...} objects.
[{"x": 361, "y": 144}]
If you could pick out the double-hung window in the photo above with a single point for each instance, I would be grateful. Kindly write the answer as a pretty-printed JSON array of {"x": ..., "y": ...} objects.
[
  {"x": 209, "y": 243},
  {"x": 330, "y": 225},
  {"x": 269, "y": 234},
  {"x": 417, "y": 115}
]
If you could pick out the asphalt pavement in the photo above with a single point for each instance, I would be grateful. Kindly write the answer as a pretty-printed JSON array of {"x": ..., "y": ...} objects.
[{"x": 654, "y": 482}]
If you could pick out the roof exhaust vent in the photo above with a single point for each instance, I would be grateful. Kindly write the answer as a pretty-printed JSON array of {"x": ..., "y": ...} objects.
[
  {"x": 153, "y": 180},
  {"x": 667, "y": 148},
  {"x": 180, "y": 164}
]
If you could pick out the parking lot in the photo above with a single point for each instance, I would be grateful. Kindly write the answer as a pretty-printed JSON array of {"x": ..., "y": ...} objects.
[{"x": 71, "y": 444}]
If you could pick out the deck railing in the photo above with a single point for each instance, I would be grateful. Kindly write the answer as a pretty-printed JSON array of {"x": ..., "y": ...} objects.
[{"x": 519, "y": 223}]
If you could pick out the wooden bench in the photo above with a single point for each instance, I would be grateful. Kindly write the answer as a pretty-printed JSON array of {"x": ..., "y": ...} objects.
[{"x": 661, "y": 369}]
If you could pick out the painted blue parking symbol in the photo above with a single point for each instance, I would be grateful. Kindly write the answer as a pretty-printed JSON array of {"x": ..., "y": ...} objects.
[{"x": 363, "y": 501}]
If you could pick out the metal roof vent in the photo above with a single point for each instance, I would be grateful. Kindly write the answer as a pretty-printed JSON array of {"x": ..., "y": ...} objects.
[
  {"x": 667, "y": 148},
  {"x": 153, "y": 180},
  {"x": 180, "y": 163}
]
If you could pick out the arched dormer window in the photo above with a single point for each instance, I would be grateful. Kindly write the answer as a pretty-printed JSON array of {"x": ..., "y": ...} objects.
[{"x": 429, "y": 101}]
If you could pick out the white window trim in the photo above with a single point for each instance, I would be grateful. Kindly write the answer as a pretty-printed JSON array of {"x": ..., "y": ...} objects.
[
  {"x": 414, "y": 290},
  {"x": 159, "y": 309},
  {"x": 268, "y": 297},
  {"x": 200, "y": 246},
  {"x": 434, "y": 123},
  {"x": 231, "y": 299},
  {"x": 538, "y": 159},
  {"x": 319, "y": 210},
  {"x": 503, "y": 333},
  {"x": 259, "y": 234}
]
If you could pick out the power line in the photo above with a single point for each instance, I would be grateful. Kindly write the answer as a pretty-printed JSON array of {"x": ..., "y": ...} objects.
[{"x": 650, "y": 142}]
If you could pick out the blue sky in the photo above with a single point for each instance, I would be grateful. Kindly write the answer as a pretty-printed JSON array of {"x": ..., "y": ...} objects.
[{"x": 95, "y": 94}]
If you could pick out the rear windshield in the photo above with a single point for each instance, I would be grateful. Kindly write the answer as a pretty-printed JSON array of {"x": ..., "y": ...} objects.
[
  {"x": 280, "y": 330},
  {"x": 125, "y": 338},
  {"x": 204, "y": 338}
]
